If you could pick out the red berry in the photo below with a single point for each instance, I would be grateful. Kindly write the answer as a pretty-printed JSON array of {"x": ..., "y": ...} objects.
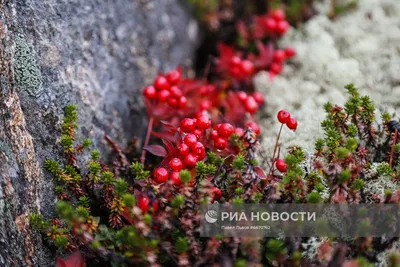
[
  {"x": 188, "y": 125},
  {"x": 163, "y": 95},
  {"x": 190, "y": 140},
  {"x": 214, "y": 135},
  {"x": 150, "y": 92},
  {"x": 258, "y": 97},
  {"x": 220, "y": 143},
  {"x": 174, "y": 177},
  {"x": 173, "y": 102},
  {"x": 190, "y": 160},
  {"x": 204, "y": 90},
  {"x": 278, "y": 14},
  {"x": 235, "y": 61},
  {"x": 254, "y": 126},
  {"x": 175, "y": 92},
  {"x": 217, "y": 193},
  {"x": 242, "y": 96},
  {"x": 205, "y": 105},
  {"x": 251, "y": 105},
  {"x": 216, "y": 126},
  {"x": 202, "y": 155},
  {"x": 175, "y": 164},
  {"x": 226, "y": 130},
  {"x": 290, "y": 52},
  {"x": 283, "y": 116},
  {"x": 281, "y": 165},
  {"x": 292, "y": 124},
  {"x": 183, "y": 150},
  {"x": 161, "y": 83},
  {"x": 203, "y": 122},
  {"x": 160, "y": 175},
  {"x": 247, "y": 67},
  {"x": 182, "y": 102},
  {"x": 198, "y": 133},
  {"x": 239, "y": 132},
  {"x": 276, "y": 68},
  {"x": 173, "y": 76},
  {"x": 143, "y": 204},
  {"x": 279, "y": 56},
  {"x": 198, "y": 148},
  {"x": 282, "y": 26},
  {"x": 236, "y": 72},
  {"x": 270, "y": 24}
]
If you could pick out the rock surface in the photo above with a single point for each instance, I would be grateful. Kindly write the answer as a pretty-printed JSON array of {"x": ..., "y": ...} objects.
[
  {"x": 95, "y": 54},
  {"x": 361, "y": 47}
]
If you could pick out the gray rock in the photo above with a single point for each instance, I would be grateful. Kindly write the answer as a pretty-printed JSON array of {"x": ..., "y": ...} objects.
[{"x": 95, "y": 54}]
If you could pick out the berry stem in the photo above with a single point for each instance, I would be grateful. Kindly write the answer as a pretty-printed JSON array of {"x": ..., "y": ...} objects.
[
  {"x": 146, "y": 142},
  {"x": 273, "y": 156},
  {"x": 392, "y": 151}
]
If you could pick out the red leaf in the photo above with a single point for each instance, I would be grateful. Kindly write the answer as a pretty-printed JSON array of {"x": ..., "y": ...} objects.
[
  {"x": 126, "y": 216},
  {"x": 260, "y": 172},
  {"x": 168, "y": 126},
  {"x": 156, "y": 150},
  {"x": 164, "y": 135},
  {"x": 170, "y": 146},
  {"x": 74, "y": 260}
]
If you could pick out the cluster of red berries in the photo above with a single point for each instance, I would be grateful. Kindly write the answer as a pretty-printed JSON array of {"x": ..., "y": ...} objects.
[
  {"x": 161, "y": 175},
  {"x": 165, "y": 90},
  {"x": 284, "y": 118},
  {"x": 275, "y": 22},
  {"x": 241, "y": 68},
  {"x": 279, "y": 57},
  {"x": 250, "y": 102},
  {"x": 221, "y": 133}
]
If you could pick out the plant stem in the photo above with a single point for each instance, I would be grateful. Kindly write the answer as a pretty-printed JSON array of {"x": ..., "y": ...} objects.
[
  {"x": 146, "y": 142},
  {"x": 273, "y": 156},
  {"x": 392, "y": 152}
]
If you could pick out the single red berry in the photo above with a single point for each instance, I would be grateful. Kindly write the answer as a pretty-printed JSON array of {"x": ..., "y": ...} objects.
[
  {"x": 183, "y": 150},
  {"x": 204, "y": 90},
  {"x": 254, "y": 126},
  {"x": 236, "y": 72},
  {"x": 205, "y": 105},
  {"x": 202, "y": 155},
  {"x": 198, "y": 148},
  {"x": 216, "y": 126},
  {"x": 226, "y": 130},
  {"x": 190, "y": 140},
  {"x": 278, "y": 14},
  {"x": 217, "y": 193},
  {"x": 143, "y": 204},
  {"x": 251, "y": 105},
  {"x": 258, "y": 97},
  {"x": 270, "y": 24},
  {"x": 174, "y": 177},
  {"x": 281, "y": 165},
  {"x": 173, "y": 102},
  {"x": 276, "y": 68},
  {"x": 292, "y": 124},
  {"x": 188, "y": 125},
  {"x": 173, "y": 76},
  {"x": 163, "y": 95},
  {"x": 214, "y": 135},
  {"x": 247, "y": 67},
  {"x": 161, "y": 83},
  {"x": 282, "y": 26},
  {"x": 160, "y": 175},
  {"x": 242, "y": 96},
  {"x": 235, "y": 61},
  {"x": 182, "y": 102},
  {"x": 203, "y": 122},
  {"x": 290, "y": 52},
  {"x": 190, "y": 160},
  {"x": 175, "y": 91},
  {"x": 175, "y": 164},
  {"x": 239, "y": 132},
  {"x": 198, "y": 133},
  {"x": 279, "y": 56},
  {"x": 221, "y": 143},
  {"x": 150, "y": 92},
  {"x": 283, "y": 116}
]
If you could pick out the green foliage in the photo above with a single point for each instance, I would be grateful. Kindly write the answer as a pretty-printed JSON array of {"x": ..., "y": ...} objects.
[
  {"x": 344, "y": 176},
  {"x": 239, "y": 162},
  {"x": 203, "y": 169},
  {"x": 275, "y": 247},
  {"x": 129, "y": 200},
  {"x": 314, "y": 197},
  {"x": 121, "y": 187},
  {"x": 384, "y": 169},
  {"x": 51, "y": 165},
  {"x": 185, "y": 176},
  {"x": 213, "y": 159},
  {"x": 182, "y": 245},
  {"x": 138, "y": 170},
  {"x": 95, "y": 155},
  {"x": 178, "y": 201}
]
